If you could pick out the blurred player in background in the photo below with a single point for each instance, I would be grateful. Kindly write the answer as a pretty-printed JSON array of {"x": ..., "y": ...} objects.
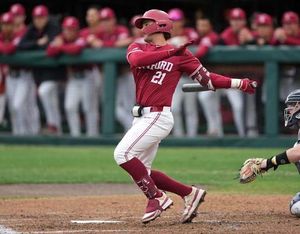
[
  {"x": 20, "y": 87},
  {"x": 180, "y": 35},
  {"x": 19, "y": 14},
  {"x": 3, "y": 74},
  {"x": 125, "y": 85},
  {"x": 264, "y": 31},
  {"x": 235, "y": 35},
  {"x": 210, "y": 101},
  {"x": 38, "y": 36},
  {"x": 157, "y": 67},
  {"x": 81, "y": 87},
  {"x": 288, "y": 34}
]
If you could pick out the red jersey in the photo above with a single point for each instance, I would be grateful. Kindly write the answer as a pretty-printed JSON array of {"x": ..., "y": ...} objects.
[
  {"x": 156, "y": 83},
  {"x": 85, "y": 32},
  {"x": 8, "y": 43},
  {"x": 291, "y": 40},
  {"x": 110, "y": 38},
  {"x": 206, "y": 42},
  {"x": 229, "y": 37}
]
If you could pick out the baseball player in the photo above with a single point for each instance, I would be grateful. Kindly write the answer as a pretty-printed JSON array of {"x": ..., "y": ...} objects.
[
  {"x": 81, "y": 86},
  {"x": 18, "y": 12},
  {"x": 210, "y": 101},
  {"x": 20, "y": 87},
  {"x": 257, "y": 166},
  {"x": 180, "y": 35},
  {"x": 38, "y": 36},
  {"x": 157, "y": 67},
  {"x": 288, "y": 34},
  {"x": 3, "y": 74},
  {"x": 125, "y": 98},
  {"x": 237, "y": 34}
]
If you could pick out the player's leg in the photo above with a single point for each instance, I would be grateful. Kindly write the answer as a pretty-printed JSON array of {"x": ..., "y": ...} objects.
[
  {"x": 2, "y": 107},
  {"x": 251, "y": 116},
  {"x": 191, "y": 113},
  {"x": 146, "y": 131},
  {"x": 73, "y": 96},
  {"x": 235, "y": 98},
  {"x": 90, "y": 103},
  {"x": 210, "y": 102},
  {"x": 178, "y": 129},
  {"x": 10, "y": 94},
  {"x": 32, "y": 113},
  {"x": 192, "y": 196},
  {"x": 48, "y": 93},
  {"x": 122, "y": 113}
]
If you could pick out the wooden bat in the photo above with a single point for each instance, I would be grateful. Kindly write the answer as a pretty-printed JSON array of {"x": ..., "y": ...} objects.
[{"x": 194, "y": 87}]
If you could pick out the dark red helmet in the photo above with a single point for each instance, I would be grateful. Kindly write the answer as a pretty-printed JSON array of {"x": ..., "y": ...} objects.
[
  {"x": 263, "y": 19},
  {"x": 17, "y": 9},
  {"x": 39, "y": 11},
  {"x": 133, "y": 19},
  {"x": 70, "y": 22},
  {"x": 290, "y": 17},
  {"x": 237, "y": 13},
  {"x": 7, "y": 18},
  {"x": 106, "y": 13},
  {"x": 162, "y": 22}
]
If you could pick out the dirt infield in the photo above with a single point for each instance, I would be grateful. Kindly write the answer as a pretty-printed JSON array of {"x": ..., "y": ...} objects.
[{"x": 51, "y": 208}]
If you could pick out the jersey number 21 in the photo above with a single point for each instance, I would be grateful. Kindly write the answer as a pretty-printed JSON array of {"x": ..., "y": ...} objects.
[{"x": 158, "y": 77}]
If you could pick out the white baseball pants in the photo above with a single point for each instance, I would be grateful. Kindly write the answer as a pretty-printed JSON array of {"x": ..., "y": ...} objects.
[
  {"x": 83, "y": 91},
  {"x": 143, "y": 138},
  {"x": 2, "y": 107},
  {"x": 189, "y": 102},
  {"x": 22, "y": 103},
  {"x": 125, "y": 99},
  {"x": 48, "y": 93}
]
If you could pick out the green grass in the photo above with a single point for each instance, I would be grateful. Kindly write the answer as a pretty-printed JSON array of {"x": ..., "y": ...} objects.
[{"x": 212, "y": 167}]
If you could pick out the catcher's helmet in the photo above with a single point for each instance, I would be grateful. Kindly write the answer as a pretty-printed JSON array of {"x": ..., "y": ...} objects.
[
  {"x": 162, "y": 22},
  {"x": 292, "y": 111}
]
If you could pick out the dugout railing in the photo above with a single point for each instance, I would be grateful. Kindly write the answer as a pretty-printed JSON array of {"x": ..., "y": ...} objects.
[{"x": 270, "y": 56}]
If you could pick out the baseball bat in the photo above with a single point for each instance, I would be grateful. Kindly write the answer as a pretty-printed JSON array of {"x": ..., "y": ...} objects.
[{"x": 194, "y": 87}]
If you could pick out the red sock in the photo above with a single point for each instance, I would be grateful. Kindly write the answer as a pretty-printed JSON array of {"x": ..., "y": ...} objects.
[
  {"x": 139, "y": 174},
  {"x": 164, "y": 182}
]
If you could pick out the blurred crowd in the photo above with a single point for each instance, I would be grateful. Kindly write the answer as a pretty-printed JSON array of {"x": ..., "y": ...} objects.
[{"x": 22, "y": 88}]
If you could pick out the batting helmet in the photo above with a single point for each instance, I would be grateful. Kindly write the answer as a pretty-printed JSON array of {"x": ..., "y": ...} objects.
[
  {"x": 162, "y": 22},
  {"x": 292, "y": 111}
]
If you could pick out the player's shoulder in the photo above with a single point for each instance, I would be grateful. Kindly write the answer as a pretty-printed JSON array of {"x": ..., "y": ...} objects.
[
  {"x": 227, "y": 31},
  {"x": 84, "y": 32},
  {"x": 137, "y": 44}
]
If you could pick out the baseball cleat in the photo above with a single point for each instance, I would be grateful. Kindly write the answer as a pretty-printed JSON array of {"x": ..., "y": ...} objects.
[
  {"x": 155, "y": 207},
  {"x": 191, "y": 204}
]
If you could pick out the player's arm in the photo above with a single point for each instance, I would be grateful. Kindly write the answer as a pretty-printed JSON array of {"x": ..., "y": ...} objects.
[
  {"x": 74, "y": 48},
  {"x": 256, "y": 166},
  {"x": 55, "y": 47},
  {"x": 138, "y": 58},
  {"x": 192, "y": 66}
]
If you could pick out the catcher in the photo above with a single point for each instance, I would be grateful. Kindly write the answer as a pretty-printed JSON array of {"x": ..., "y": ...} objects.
[{"x": 257, "y": 166}]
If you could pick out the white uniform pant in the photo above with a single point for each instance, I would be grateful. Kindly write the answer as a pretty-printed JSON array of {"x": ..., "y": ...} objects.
[
  {"x": 86, "y": 92},
  {"x": 2, "y": 107},
  {"x": 143, "y": 138},
  {"x": 211, "y": 105},
  {"x": 22, "y": 103},
  {"x": 125, "y": 100},
  {"x": 48, "y": 93},
  {"x": 189, "y": 103}
]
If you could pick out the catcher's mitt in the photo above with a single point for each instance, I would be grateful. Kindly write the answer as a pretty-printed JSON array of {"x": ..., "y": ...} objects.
[{"x": 250, "y": 169}]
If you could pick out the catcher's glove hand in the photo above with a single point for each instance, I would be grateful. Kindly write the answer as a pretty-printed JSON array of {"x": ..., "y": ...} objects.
[{"x": 250, "y": 169}]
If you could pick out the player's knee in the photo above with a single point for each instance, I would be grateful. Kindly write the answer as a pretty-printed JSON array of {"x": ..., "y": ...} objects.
[
  {"x": 70, "y": 107},
  {"x": 119, "y": 155}
]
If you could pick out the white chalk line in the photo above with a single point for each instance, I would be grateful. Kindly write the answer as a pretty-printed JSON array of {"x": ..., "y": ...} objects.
[
  {"x": 81, "y": 231},
  {"x": 5, "y": 230}
]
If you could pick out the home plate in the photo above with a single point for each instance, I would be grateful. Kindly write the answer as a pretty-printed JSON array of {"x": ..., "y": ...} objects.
[{"x": 95, "y": 221}]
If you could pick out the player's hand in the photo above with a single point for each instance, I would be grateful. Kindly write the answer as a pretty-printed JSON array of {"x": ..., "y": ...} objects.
[
  {"x": 43, "y": 41},
  {"x": 181, "y": 49},
  {"x": 248, "y": 86}
]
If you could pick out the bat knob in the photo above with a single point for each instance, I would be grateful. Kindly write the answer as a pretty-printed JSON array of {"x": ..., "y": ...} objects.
[{"x": 254, "y": 84}]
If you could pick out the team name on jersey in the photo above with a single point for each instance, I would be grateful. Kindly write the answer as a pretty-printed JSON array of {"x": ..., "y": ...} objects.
[{"x": 161, "y": 65}]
